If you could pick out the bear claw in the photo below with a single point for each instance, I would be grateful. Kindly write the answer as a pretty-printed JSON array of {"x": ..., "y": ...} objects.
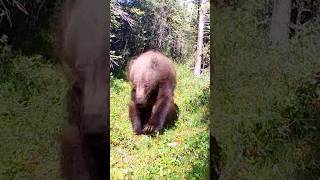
[{"x": 149, "y": 129}]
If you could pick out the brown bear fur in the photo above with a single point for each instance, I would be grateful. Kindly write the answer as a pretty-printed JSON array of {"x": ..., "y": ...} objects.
[
  {"x": 81, "y": 44},
  {"x": 153, "y": 79}
]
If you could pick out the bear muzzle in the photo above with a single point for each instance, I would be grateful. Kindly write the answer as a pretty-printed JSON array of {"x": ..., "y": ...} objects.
[{"x": 141, "y": 102}]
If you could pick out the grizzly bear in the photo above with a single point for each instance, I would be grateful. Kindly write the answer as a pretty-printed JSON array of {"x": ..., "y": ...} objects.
[
  {"x": 80, "y": 44},
  {"x": 153, "y": 80}
]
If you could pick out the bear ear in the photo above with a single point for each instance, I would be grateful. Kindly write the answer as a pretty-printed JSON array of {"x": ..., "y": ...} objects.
[
  {"x": 128, "y": 69},
  {"x": 154, "y": 63}
]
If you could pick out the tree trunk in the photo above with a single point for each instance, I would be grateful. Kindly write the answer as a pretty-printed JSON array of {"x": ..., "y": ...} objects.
[
  {"x": 280, "y": 22},
  {"x": 197, "y": 68}
]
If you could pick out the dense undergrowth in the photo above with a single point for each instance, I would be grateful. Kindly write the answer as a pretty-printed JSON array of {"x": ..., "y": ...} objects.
[
  {"x": 181, "y": 152},
  {"x": 31, "y": 112},
  {"x": 265, "y": 103}
]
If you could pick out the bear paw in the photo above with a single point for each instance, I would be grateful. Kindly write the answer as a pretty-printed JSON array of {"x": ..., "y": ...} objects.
[{"x": 150, "y": 129}]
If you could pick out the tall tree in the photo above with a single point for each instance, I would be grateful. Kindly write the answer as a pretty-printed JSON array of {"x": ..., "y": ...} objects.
[
  {"x": 197, "y": 68},
  {"x": 280, "y": 22}
]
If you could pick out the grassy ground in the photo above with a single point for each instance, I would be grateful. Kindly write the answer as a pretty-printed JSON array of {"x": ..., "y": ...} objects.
[
  {"x": 265, "y": 112},
  {"x": 31, "y": 112},
  {"x": 32, "y": 96},
  {"x": 180, "y": 153}
]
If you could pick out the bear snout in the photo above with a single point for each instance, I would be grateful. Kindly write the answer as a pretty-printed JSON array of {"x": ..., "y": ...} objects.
[{"x": 140, "y": 101}]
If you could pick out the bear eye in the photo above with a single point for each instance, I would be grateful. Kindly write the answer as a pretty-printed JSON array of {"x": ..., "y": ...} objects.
[{"x": 146, "y": 85}]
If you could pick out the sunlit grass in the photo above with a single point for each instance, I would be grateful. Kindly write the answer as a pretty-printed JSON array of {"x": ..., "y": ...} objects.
[{"x": 180, "y": 152}]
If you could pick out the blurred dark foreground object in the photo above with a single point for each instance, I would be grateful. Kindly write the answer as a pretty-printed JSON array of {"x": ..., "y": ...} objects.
[{"x": 81, "y": 43}]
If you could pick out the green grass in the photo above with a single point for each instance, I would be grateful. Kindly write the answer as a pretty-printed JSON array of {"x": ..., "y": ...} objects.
[
  {"x": 145, "y": 157},
  {"x": 265, "y": 126},
  {"x": 31, "y": 112}
]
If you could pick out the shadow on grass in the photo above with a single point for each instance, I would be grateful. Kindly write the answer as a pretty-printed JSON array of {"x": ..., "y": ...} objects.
[
  {"x": 197, "y": 103},
  {"x": 171, "y": 124},
  {"x": 199, "y": 170},
  {"x": 214, "y": 151}
]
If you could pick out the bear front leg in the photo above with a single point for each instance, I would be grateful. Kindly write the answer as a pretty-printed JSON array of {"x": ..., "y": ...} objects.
[
  {"x": 135, "y": 118},
  {"x": 160, "y": 114}
]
